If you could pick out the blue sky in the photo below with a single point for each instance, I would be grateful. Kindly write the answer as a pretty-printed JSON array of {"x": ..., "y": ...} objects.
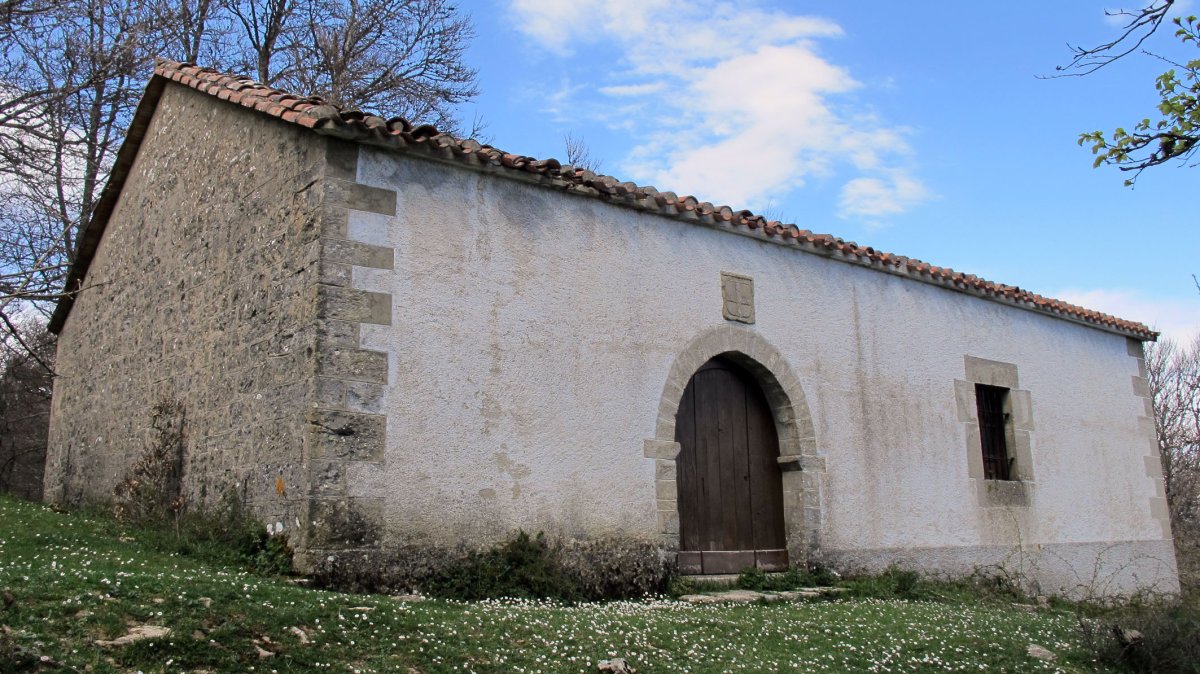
[{"x": 918, "y": 128}]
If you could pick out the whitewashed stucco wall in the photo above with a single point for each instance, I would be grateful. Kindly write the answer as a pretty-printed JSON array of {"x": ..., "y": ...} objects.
[{"x": 533, "y": 332}]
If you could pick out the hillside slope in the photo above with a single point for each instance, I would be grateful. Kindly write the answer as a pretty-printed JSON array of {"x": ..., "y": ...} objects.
[{"x": 78, "y": 582}]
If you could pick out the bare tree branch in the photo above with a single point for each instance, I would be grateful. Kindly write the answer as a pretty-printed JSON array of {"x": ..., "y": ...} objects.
[
  {"x": 402, "y": 57},
  {"x": 72, "y": 72},
  {"x": 1141, "y": 24},
  {"x": 1173, "y": 375},
  {"x": 579, "y": 155}
]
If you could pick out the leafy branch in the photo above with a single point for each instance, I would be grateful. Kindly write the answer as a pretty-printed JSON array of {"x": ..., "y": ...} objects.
[{"x": 1175, "y": 136}]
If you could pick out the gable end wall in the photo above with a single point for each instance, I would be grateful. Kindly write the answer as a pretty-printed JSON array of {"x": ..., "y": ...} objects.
[{"x": 202, "y": 290}]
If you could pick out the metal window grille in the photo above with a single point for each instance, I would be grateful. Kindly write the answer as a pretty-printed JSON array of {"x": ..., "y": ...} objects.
[{"x": 997, "y": 465}]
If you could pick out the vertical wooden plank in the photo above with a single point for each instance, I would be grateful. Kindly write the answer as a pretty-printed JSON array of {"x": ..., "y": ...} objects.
[
  {"x": 686, "y": 475},
  {"x": 708, "y": 440},
  {"x": 737, "y": 479},
  {"x": 766, "y": 479},
  {"x": 719, "y": 382}
]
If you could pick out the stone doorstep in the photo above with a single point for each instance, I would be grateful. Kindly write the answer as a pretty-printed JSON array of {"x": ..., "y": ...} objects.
[
  {"x": 728, "y": 580},
  {"x": 751, "y": 596}
]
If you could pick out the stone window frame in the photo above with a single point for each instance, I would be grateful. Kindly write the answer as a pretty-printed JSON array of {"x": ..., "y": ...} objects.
[
  {"x": 1015, "y": 491},
  {"x": 802, "y": 469}
]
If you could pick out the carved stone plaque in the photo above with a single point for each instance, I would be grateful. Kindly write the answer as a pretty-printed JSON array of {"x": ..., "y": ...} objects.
[{"x": 737, "y": 295}]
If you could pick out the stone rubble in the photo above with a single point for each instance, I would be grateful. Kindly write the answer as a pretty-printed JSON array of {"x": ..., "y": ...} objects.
[
  {"x": 1041, "y": 653},
  {"x": 615, "y": 666},
  {"x": 136, "y": 634}
]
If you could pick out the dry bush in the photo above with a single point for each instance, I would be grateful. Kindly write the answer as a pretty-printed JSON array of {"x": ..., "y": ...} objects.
[
  {"x": 522, "y": 566},
  {"x": 152, "y": 489},
  {"x": 1173, "y": 373}
]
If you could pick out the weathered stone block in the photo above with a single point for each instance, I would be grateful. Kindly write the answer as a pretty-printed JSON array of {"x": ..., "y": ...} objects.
[
  {"x": 964, "y": 400},
  {"x": 1003, "y": 493},
  {"x": 1022, "y": 454},
  {"x": 348, "y": 435},
  {"x": 360, "y": 197},
  {"x": 353, "y": 364},
  {"x": 974, "y": 452},
  {"x": 1141, "y": 387},
  {"x": 659, "y": 449},
  {"x": 1153, "y": 465},
  {"x": 331, "y": 393},
  {"x": 1159, "y": 508},
  {"x": 812, "y": 463},
  {"x": 345, "y": 523},
  {"x": 666, "y": 490},
  {"x": 326, "y": 478},
  {"x": 358, "y": 254},
  {"x": 1147, "y": 428},
  {"x": 737, "y": 297},
  {"x": 668, "y": 521},
  {"x": 335, "y": 219},
  {"x": 1021, "y": 403},
  {"x": 338, "y": 333},
  {"x": 991, "y": 372},
  {"x": 336, "y": 274},
  {"x": 789, "y": 464},
  {"x": 664, "y": 470},
  {"x": 1134, "y": 347},
  {"x": 364, "y": 397},
  {"x": 349, "y": 304},
  {"x": 341, "y": 159}
]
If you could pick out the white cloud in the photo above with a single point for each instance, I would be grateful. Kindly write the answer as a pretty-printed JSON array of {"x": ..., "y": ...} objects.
[
  {"x": 1178, "y": 319},
  {"x": 742, "y": 106},
  {"x": 890, "y": 194},
  {"x": 558, "y": 25},
  {"x": 633, "y": 89}
]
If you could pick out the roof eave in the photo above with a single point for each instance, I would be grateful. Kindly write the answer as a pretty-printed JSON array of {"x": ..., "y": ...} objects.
[
  {"x": 89, "y": 239},
  {"x": 427, "y": 142}
]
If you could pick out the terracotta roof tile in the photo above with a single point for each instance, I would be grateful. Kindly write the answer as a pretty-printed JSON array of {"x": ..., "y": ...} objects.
[{"x": 398, "y": 133}]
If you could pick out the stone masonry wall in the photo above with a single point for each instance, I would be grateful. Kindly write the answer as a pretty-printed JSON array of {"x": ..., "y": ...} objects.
[
  {"x": 203, "y": 290},
  {"x": 346, "y": 420}
]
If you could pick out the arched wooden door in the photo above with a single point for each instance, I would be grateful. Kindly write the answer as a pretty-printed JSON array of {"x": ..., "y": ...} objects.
[{"x": 730, "y": 487}]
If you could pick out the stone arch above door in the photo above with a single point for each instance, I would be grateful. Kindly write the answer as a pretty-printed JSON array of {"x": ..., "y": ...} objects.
[{"x": 802, "y": 467}]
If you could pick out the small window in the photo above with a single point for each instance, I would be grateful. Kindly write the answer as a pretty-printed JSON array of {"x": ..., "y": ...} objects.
[{"x": 992, "y": 402}]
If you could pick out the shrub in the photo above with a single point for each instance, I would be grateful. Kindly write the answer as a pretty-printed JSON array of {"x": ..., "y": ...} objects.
[
  {"x": 1187, "y": 554},
  {"x": 615, "y": 568},
  {"x": 151, "y": 489},
  {"x": 893, "y": 583},
  {"x": 523, "y": 566},
  {"x": 227, "y": 534},
  {"x": 151, "y": 498},
  {"x": 1146, "y": 637}
]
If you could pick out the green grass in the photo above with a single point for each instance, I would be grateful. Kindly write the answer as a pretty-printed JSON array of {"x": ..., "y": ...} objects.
[{"x": 78, "y": 578}]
